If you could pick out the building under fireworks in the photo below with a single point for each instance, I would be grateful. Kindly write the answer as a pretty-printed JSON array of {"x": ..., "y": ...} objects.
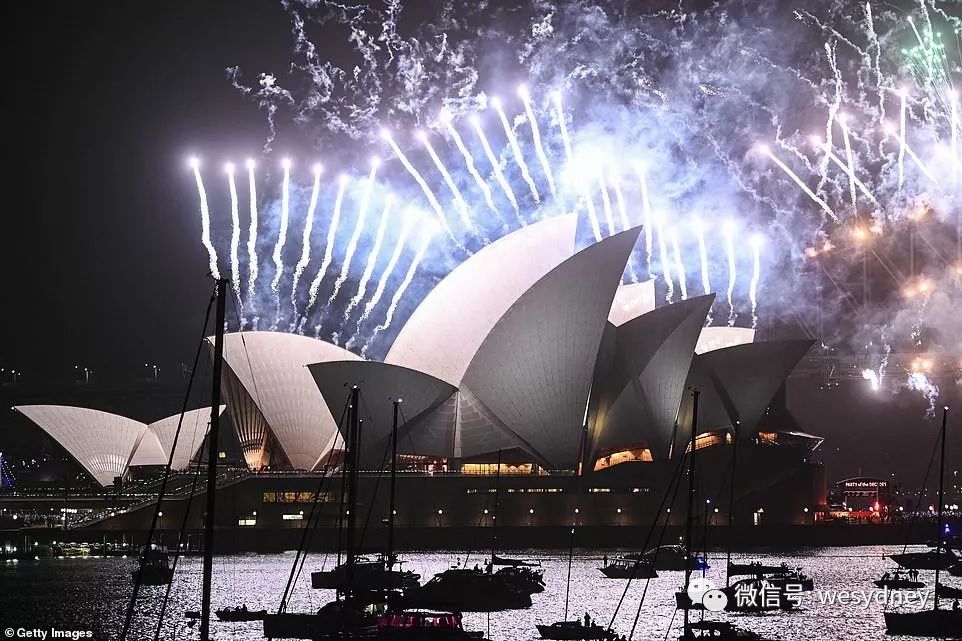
[{"x": 576, "y": 384}]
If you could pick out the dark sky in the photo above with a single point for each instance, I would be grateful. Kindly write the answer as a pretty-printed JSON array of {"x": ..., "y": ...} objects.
[{"x": 101, "y": 260}]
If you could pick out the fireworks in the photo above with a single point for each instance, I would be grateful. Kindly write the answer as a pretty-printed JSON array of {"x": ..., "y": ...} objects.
[
  {"x": 495, "y": 165},
  {"x": 371, "y": 260},
  {"x": 252, "y": 233},
  {"x": 729, "y": 234},
  {"x": 516, "y": 149},
  {"x": 205, "y": 218},
  {"x": 305, "y": 258},
  {"x": 664, "y": 149},
  {"x": 281, "y": 239},
  {"x": 358, "y": 229},
  {"x": 536, "y": 136},
  {"x": 235, "y": 231},
  {"x": 328, "y": 249},
  {"x": 756, "y": 243}
]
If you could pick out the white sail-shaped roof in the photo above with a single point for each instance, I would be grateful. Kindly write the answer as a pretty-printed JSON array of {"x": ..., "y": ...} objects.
[
  {"x": 534, "y": 369},
  {"x": 378, "y": 385},
  {"x": 638, "y": 394},
  {"x": 631, "y": 301},
  {"x": 192, "y": 433},
  {"x": 272, "y": 366},
  {"x": 447, "y": 328},
  {"x": 148, "y": 450},
  {"x": 103, "y": 443},
  {"x": 713, "y": 338}
]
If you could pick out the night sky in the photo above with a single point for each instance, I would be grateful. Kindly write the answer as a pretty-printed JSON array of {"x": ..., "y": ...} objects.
[{"x": 101, "y": 260}]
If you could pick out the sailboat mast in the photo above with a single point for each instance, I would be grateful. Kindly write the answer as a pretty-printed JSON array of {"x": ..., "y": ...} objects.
[
  {"x": 731, "y": 505},
  {"x": 691, "y": 494},
  {"x": 354, "y": 434},
  {"x": 938, "y": 540},
  {"x": 497, "y": 503},
  {"x": 390, "y": 514},
  {"x": 571, "y": 549},
  {"x": 212, "y": 452}
]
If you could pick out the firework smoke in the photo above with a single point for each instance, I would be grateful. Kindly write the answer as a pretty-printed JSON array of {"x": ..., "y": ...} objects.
[
  {"x": 536, "y": 137},
  {"x": 281, "y": 240},
  {"x": 328, "y": 250},
  {"x": 305, "y": 258},
  {"x": 358, "y": 230},
  {"x": 371, "y": 260},
  {"x": 252, "y": 235}
]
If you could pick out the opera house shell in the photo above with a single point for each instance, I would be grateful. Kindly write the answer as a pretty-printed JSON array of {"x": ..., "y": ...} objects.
[
  {"x": 528, "y": 350},
  {"x": 108, "y": 445}
]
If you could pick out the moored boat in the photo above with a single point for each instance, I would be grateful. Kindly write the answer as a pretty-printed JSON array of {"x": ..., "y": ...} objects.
[{"x": 622, "y": 568}]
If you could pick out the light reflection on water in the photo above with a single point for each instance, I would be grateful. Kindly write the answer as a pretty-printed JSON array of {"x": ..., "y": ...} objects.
[{"x": 92, "y": 594}]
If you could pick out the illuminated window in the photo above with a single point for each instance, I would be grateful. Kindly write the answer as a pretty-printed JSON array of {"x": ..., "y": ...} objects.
[
  {"x": 247, "y": 521},
  {"x": 596, "y": 490},
  {"x": 623, "y": 456},
  {"x": 710, "y": 439},
  {"x": 292, "y": 517},
  {"x": 492, "y": 468}
]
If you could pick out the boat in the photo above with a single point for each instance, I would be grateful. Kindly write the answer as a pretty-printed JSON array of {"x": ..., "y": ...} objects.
[
  {"x": 670, "y": 558},
  {"x": 575, "y": 630},
  {"x": 753, "y": 594},
  {"x": 898, "y": 583},
  {"x": 756, "y": 569},
  {"x": 930, "y": 560},
  {"x": 477, "y": 589},
  {"x": 523, "y": 578},
  {"x": 936, "y": 622},
  {"x": 943, "y": 591},
  {"x": 581, "y": 629},
  {"x": 240, "y": 614},
  {"x": 468, "y": 590},
  {"x": 718, "y": 631},
  {"x": 369, "y": 574},
  {"x": 420, "y": 625},
  {"x": 154, "y": 568},
  {"x": 343, "y": 618},
  {"x": 941, "y": 624},
  {"x": 794, "y": 581},
  {"x": 622, "y": 568}
]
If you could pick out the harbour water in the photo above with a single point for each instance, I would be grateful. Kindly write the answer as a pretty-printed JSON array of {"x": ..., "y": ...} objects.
[{"x": 91, "y": 594}]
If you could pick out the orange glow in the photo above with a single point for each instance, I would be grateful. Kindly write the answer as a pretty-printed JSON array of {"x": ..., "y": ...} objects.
[
  {"x": 625, "y": 456},
  {"x": 811, "y": 252},
  {"x": 859, "y": 234}
]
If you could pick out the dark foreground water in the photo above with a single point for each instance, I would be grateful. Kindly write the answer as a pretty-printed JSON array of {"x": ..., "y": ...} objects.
[{"x": 90, "y": 594}]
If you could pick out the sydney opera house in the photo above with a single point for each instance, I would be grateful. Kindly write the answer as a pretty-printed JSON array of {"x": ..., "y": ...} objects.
[{"x": 529, "y": 353}]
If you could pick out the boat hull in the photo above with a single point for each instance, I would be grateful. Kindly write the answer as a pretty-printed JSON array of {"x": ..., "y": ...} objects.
[
  {"x": 924, "y": 560},
  {"x": 153, "y": 576},
  {"x": 573, "y": 630},
  {"x": 928, "y": 623}
]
